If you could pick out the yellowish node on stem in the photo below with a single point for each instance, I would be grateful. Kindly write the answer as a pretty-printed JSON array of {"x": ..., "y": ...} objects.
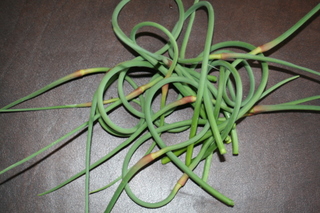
[
  {"x": 256, "y": 51},
  {"x": 263, "y": 48},
  {"x": 187, "y": 99},
  {"x": 145, "y": 160},
  {"x": 79, "y": 73},
  {"x": 216, "y": 56},
  {"x": 167, "y": 62},
  {"x": 88, "y": 104},
  {"x": 255, "y": 110},
  {"x": 165, "y": 89},
  {"x": 136, "y": 92},
  {"x": 182, "y": 181},
  {"x": 110, "y": 100}
]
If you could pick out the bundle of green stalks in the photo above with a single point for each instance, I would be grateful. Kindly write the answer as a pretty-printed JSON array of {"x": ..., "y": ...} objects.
[{"x": 208, "y": 86}]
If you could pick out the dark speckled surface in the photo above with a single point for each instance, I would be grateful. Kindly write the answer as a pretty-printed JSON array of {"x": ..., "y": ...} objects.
[{"x": 277, "y": 170}]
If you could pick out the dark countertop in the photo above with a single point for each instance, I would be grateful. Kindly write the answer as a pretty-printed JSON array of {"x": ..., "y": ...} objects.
[{"x": 277, "y": 169}]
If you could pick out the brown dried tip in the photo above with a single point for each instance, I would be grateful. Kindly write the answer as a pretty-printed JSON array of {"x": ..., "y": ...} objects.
[
  {"x": 224, "y": 56},
  {"x": 187, "y": 99},
  {"x": 136, "y": 92},
  {"x": 266, "y": 47},
  {"x": 182, "y": 181},
  {"x": 255, "y": 110},
  {"x": 80, "y": 73},
  {"x": 167, "y": 62},
  {"x": 146, "y": 159}
]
